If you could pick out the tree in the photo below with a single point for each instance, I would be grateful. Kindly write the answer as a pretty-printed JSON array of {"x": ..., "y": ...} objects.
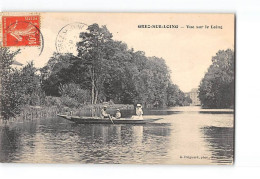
[
  {"x": 29, "y": 85},
  {"x": 118, "y": 84},
  {"x": 91, "y": 51},
  {"x": 10, "y": 100},
  {"x": 175, "y": 97},
  {"x": 216, "y": 89},
  {"x": 63, "y": 69},
  {"x": 18, "y": 87}
]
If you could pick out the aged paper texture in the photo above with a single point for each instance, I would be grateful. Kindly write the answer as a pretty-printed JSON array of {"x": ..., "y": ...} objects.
[{"x": 117, "y": 88}]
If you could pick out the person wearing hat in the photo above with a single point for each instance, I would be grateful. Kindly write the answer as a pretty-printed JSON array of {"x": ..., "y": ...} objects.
[
  {"x": 139, "y": 111},
  {"x": 104, "y": 113},
  {"x": 118, "y": 114}
]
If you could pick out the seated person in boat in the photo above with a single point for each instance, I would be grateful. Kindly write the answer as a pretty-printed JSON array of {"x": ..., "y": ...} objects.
[
  {"x": 139, "y": 112},
  {"x": 104, "y": 113},
  {"x": 118, "y": 114}
]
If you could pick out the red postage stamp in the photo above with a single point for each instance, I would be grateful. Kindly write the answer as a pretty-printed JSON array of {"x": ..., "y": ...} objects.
[{"x": 21, "y": 31}]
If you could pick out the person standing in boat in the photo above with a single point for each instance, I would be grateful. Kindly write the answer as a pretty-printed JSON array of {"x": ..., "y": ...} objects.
[
  {"x": 104, "y": 113},
  {"x": 139, "y": 111}
]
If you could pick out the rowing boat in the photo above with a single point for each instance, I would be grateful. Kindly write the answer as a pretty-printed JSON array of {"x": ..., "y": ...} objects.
[{"x": 98, "y": 120}]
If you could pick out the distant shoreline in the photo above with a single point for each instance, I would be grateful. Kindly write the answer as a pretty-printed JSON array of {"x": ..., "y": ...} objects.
[{"x": 194, "y": 108}]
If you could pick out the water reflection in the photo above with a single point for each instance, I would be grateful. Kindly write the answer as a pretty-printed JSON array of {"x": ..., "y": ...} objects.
[
  {"x": 52, "y": 141},
  {"x": 9, "y": 143},
  {"x": 182, "y": 133},
  {"x": 220, "y": 143}
]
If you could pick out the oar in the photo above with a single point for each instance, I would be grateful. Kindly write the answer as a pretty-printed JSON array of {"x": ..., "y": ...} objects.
[{"x": 110, "y": 118}]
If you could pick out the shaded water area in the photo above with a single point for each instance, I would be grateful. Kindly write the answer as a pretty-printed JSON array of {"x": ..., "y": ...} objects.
[{"x": 185, "y": 135}]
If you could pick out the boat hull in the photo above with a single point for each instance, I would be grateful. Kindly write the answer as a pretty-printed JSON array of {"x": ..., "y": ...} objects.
[{"x": 91, "y": 120}]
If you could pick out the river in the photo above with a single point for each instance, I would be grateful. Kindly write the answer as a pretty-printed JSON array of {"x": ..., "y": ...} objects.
[{"x": 185, "y": 135}]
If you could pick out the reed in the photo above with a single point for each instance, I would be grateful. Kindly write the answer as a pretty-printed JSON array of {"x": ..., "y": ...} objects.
[{"x": 39, "y": 112}]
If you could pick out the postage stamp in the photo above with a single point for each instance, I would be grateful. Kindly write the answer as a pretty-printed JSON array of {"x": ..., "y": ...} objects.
[{"x": 21, "y": 31}]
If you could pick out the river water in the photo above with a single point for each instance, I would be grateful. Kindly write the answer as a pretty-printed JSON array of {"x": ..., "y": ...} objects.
[{"x": 185, "y": 135}]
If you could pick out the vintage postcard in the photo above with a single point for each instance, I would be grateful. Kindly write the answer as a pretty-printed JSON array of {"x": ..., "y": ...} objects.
[{"x": 117, "y": 88}]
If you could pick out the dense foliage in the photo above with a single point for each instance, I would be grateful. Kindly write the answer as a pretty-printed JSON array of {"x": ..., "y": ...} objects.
[
  {"x": 103, "y": 70},
  {"x": 18, "y": 87},
  {"x": 217, "y": 87},
  {"x": 107, "y": 70}
]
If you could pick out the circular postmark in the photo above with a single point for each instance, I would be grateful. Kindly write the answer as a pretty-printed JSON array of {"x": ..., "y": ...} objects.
[{"x": 68, "y": 37}]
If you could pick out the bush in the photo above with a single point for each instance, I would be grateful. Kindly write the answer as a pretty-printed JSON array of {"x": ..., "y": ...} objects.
[
  {"x": 74, "y": 91},
  {"x": 69, "y": 102},
  {"x": 52, "y": 101}
]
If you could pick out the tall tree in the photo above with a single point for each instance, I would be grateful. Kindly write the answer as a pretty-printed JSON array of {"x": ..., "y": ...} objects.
[
  {"x": 91, "y": 51},
  {"x": 216, "y": 89}
]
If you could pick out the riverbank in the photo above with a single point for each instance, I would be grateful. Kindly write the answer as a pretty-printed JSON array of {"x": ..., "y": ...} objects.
[{"x": 38, "y": 112}]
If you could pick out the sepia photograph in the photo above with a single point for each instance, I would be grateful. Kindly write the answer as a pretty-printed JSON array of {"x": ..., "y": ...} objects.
[{"x": 117, "y": 88}]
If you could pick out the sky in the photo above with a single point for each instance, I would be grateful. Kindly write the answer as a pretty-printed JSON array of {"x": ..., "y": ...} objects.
[{"x": 187, "y": 51}]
